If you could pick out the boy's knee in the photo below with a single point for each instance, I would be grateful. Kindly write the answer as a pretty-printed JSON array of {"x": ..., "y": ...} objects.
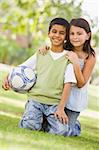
[
  {"x": 62, "y": 129},
  {"x": 28, "y": 124},
  {"x": 59, "y": 128}
]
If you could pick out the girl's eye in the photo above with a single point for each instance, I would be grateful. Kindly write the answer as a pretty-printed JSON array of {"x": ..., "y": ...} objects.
[
  {"x": 79, "y": 33},
  {"x": 71, "y": 33}
]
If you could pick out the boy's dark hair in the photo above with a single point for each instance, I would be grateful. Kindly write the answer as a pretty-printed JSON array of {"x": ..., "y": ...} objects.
[{"x": 59, "y": 21}]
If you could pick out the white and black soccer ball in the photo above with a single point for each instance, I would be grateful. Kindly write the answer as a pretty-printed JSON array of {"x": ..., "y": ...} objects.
[{"x": 22, "y": 79}]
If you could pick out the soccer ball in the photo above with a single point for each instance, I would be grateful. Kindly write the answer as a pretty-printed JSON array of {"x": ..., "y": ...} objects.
[{"x": 22, "y": 79}]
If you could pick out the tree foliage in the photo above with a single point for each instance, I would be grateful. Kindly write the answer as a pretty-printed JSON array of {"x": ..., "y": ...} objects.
[{"x": 31, "y": 18}]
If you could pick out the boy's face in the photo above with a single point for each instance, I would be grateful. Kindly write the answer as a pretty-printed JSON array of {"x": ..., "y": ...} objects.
[{"x": 57, "y": 35}]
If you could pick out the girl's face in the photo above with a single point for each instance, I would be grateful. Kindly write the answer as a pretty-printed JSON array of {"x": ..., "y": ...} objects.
[
  {"x": 57, "y": 35},
  {"x": 78, "y": 36}
]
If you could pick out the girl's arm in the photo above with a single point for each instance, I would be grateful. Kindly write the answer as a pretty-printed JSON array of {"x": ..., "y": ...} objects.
[
  {"x": 88, "y": 68},
  {"x": 84, "y": 75}
]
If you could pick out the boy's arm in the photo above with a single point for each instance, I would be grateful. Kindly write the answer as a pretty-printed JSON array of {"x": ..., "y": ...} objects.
[
  {"x": 31, "y": 62},
  {"x": 5, "y": 83},
  {"x": 69, "y": 78},
  {"x": 60, "y": 113}
]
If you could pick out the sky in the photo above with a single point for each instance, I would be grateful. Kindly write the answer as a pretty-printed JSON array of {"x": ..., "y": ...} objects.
[{"x": 91, "y": 7}]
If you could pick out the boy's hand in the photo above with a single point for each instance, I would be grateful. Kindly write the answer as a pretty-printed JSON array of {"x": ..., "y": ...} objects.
[
  {"x": 43, "y": 50},
  {"x": 5, "y": 83},
  {"x": 61, "y": 115}
]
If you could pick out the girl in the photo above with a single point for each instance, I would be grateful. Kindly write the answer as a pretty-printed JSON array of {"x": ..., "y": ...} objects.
[{"x": 83, "y": 58}]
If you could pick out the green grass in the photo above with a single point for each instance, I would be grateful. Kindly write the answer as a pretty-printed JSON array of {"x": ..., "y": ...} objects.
[
  {"x": 11, "y": 109},
  {"x": 14, "y": 138},
  {"x": 93, "y": 97}
]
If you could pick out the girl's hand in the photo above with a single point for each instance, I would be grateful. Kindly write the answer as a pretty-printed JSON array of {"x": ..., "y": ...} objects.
[
  {"x": 61, "y": 115},
  {"x": 43, "y": 50},
  {"x": 72, "y": 56},
  {"x": 5, "y": 83}
]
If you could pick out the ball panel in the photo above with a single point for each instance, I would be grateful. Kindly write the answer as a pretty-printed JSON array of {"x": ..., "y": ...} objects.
[
  {"x": 17, "y": 82},
  {"x": 22, "y": 78}
]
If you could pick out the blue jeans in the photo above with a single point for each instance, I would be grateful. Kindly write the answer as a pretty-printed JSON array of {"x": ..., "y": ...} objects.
[{"x": 36, "y": 114}]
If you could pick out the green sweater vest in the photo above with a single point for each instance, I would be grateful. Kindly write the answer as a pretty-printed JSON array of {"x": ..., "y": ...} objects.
[{"x": 50, "y": 79}]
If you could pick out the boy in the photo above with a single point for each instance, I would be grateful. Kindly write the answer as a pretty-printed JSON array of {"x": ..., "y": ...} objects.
[{"x": 47, "y": 99}]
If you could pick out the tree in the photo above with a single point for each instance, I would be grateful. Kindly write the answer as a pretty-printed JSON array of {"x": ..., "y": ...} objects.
[{"x": 31, "y": 17}]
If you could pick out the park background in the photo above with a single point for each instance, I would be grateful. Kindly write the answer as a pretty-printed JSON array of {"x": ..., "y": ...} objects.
[{"x": 23, "y": 29}]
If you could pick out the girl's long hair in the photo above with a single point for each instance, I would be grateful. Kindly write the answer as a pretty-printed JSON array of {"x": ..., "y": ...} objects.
[{"x": 82, "y": 23}]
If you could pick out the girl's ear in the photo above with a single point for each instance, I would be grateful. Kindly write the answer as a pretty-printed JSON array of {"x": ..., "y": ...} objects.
[{"x": 88, "y": 36}]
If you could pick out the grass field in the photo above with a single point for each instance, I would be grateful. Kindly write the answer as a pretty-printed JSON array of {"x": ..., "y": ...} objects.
[{"x": 14, "y": 138}]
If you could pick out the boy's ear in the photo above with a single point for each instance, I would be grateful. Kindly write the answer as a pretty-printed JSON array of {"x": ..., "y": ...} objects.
[{"x": 48, "y": 34}]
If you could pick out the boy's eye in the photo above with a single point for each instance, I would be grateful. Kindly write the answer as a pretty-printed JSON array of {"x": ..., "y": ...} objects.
[
  {"x": 62, "y": 33},
  {"x": 54, "y": 31}
]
